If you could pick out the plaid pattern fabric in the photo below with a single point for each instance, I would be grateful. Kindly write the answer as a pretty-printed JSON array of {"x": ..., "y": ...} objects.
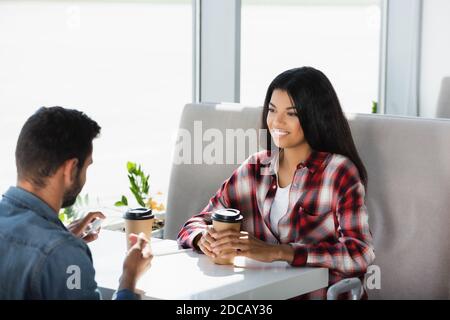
[{"x": 326, "y": 222}]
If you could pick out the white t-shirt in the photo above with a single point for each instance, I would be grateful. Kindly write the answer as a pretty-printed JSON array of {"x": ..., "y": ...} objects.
[
  {"x": 280, "y": 203},
  {"x": 279, "y": 208}
]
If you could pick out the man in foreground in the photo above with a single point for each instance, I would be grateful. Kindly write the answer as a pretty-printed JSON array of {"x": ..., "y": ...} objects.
[{"x": 38, "y": 253}]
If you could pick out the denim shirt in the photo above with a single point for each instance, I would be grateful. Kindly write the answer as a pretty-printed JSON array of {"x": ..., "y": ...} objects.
[{"x": 39, "y": 257}]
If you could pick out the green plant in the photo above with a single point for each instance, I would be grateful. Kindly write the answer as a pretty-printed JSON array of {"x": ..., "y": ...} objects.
[
  {"x": 140, "y": 188},
  {"x": 74, "y": 212},
  {"x": 374, "y": 107}
]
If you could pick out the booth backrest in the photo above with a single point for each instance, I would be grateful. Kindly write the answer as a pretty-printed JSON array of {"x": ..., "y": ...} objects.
[{"x": 408, "y": 196}]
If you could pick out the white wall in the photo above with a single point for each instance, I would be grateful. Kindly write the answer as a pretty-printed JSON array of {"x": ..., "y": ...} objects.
[
  {"x": 119, "y": 61},
  {"x": 435, "y": 65}
]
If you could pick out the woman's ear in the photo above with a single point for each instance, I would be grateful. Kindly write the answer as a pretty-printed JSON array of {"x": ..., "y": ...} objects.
[{"x": 70, "y": 171}]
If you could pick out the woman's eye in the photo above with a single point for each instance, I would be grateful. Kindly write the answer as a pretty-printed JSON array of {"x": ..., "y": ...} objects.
[
  {"x": 292, "y": 114},
  {"x": 271, "y": 110}
]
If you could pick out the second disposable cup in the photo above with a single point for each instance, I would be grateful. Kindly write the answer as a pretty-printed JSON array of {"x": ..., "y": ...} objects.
[{"x": 138, "y": 220}]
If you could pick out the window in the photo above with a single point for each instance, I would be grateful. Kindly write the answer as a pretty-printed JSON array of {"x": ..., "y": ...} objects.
[
  {"x": 128, "y": 65},
  {"x": 339, "y": 37}
]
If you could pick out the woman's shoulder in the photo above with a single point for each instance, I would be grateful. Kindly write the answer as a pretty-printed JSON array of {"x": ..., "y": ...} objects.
[
  {"x": 259, "y": 158},
  {"x": 341, "y": 165},
  {"x": 254, "y": 163}
]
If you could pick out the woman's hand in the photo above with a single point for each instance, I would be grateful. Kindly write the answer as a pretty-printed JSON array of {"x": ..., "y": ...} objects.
[
  {"x": 242, "y": 244},
  {"x": 205, "y": 242}
]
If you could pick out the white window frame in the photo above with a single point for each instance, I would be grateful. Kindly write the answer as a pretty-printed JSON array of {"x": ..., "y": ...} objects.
[
  {"x": 217, "y": 51},
  {"x": 400, "y": 58}
]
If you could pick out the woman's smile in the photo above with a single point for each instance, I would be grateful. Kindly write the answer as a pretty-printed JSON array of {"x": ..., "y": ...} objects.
[{"x": 279, "y": 133}]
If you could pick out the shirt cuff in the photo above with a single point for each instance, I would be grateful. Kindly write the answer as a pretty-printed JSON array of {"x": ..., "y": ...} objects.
[
  {"x": 126, "y": 294},
  {"x": 190, "y": 240},
  {"x": 300, "y": 256}
]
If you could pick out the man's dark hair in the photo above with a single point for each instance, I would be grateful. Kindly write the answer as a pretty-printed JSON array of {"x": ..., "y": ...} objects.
[{"x": 50, "y": 137}]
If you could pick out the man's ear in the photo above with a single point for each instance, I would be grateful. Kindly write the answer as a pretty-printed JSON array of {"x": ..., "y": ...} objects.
[{"x": 70, "y": 171}]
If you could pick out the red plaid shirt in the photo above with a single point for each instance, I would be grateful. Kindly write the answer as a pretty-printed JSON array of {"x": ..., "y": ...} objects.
[{"x": 326, "y": 222}]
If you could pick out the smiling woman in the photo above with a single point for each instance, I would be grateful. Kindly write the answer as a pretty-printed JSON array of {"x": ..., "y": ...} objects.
[
  {"x": 302, "y": 199},
  {"x": 310, "y": 111}
]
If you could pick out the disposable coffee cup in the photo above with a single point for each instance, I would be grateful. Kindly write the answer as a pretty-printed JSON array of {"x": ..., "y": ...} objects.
[
  {"x": 138, "y": 220},
  {"x": 226, "y": 219}
]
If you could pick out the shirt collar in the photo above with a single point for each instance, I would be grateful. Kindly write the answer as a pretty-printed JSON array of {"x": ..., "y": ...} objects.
[
  {"x": 313, "y": 162},
  {"x": 30, "y": 201}
]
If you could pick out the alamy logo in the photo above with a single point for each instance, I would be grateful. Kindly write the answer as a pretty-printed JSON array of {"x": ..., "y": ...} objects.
[
  {"x": 214, "y": 146},
  {"x": 74, "y": 280},
  {"x": 372, "y": 279}
]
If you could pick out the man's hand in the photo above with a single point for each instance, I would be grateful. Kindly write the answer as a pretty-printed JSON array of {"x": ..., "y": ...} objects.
[
  {"x": 78, "y": 227},
  {"x": 137, "y": 261}
]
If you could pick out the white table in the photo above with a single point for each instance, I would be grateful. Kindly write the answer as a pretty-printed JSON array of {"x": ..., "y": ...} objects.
[{"x": 187, "y": 275}]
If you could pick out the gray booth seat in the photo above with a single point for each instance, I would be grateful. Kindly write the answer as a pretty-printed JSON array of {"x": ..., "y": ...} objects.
[{"x": 408, "y": 196}]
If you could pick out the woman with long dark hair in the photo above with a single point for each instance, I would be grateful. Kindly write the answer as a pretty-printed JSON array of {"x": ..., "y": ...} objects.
[{"x": 302, "y": 198}]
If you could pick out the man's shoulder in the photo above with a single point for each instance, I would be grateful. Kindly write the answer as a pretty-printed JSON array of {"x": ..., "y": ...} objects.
[
  {"x": 25, "y": 228},
  {"x": 39, "y": 249}
]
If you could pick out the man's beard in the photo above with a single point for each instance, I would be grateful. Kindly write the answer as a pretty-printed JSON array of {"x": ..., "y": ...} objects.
[{"x": 70, "y": 196}]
